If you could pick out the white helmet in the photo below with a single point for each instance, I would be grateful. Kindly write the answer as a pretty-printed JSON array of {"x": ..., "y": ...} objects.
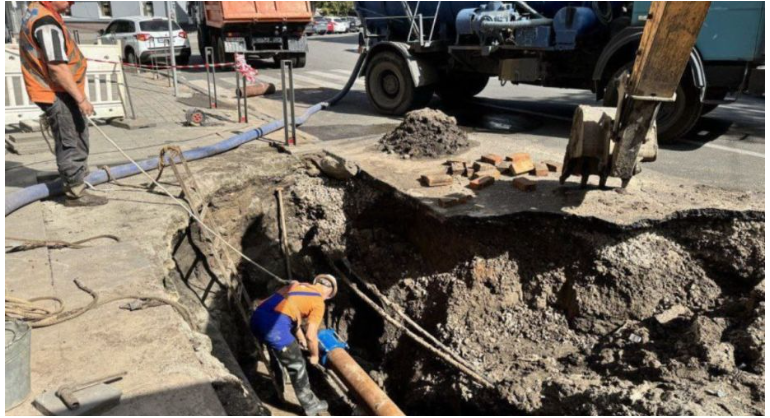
[{"x": 327, "y": 280}]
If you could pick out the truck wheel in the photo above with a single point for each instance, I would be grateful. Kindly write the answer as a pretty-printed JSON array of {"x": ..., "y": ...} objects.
[
  {"x": 299, "y": 61},
  {"x": 461, "y": 87},
  {"x": 674, "y": 119},
  {"x": 220, "y": 56},
  {"x": 708, "y": 108},
  {"x": 390, "y": 88}
]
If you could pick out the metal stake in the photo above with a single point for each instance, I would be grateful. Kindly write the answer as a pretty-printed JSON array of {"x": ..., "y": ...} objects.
[
  {"x": 288, "y": 96},
  {"x": 238, "y": 99},
  {"x": 128, "y": 93},
  {"x": 245, "y": 100},
  {"x": 282, "y": 224},
  {"x": 171, "y": 15},
  {"x": 209, "y": 54}
]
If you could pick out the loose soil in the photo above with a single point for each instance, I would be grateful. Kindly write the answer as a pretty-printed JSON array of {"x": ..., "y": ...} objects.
[
  {"x": 565, "y": 314},
  {"x": 425, "y": 133}
]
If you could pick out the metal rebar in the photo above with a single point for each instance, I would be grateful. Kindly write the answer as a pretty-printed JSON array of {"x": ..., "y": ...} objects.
[
  {"x": 238, "y": 99},
  {"x": 208, "y": 74},
  {"x": 285, "y": 99},
  {"x": 128, "y": 93},
  {"x": 291, "y": 104},
  {"x": 282, "y": 225},
  {"x": 245, "y": 99}
]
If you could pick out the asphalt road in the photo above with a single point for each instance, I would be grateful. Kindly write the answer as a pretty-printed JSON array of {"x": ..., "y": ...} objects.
[{"x": 726, "y": 149}]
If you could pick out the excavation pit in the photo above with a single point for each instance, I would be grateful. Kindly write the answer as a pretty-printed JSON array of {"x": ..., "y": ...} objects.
[{"x": 565, "y": 314}]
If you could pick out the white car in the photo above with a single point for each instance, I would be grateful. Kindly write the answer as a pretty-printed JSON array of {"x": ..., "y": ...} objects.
[
  {"x": 341, "y": 25},
  {"x": 146, "y": 37}
]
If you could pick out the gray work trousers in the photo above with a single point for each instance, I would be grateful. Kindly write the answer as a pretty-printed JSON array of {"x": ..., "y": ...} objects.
[
  {"x": 70, "y": 132},
  {"x": 291, "y": 359}
]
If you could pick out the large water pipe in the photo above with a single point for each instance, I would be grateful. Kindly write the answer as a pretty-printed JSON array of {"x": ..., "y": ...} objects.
[
  {"x": 336, "y": 357},
  {"x": 23, "y": 197}
]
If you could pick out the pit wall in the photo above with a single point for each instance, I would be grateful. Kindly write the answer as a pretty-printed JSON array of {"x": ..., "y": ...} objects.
[{"x": 566, "y": 314}]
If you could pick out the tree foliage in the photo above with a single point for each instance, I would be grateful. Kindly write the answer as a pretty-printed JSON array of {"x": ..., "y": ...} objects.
[{"x": 334, "y": 8}]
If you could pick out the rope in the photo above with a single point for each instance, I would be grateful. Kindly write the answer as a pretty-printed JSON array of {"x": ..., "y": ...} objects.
[
  {"x": 447, "y": 357},
  {"x": 31, "y": 244},
  {"x": 182, "y": 204},
  {"x": 39, "y": 317}
]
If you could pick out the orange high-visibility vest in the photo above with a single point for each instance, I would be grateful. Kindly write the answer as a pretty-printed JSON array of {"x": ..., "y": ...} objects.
[{"x": 40, "y": 87}]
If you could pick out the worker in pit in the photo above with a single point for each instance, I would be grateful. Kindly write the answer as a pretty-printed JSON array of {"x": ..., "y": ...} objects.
[
  {"x": 278, "y": 323},
  {"x": 54, "y": 73}
]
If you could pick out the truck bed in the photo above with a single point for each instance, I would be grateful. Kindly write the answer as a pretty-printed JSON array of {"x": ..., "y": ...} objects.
[{"x": 220, "y": 13}]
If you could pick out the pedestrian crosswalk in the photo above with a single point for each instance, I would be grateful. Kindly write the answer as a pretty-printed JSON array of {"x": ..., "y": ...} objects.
[{"x": 303, "y": 79}]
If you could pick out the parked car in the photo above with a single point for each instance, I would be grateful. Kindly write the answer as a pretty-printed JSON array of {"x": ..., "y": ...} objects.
[
  {"x": 353, "y": 24},
  {"x": 321, "y": 26},
  {"x": 340, "y": 24},
  {"x": 146, "y": 37}
]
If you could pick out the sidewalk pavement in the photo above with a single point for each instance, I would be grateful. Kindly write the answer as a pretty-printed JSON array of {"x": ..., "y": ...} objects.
[{"x": 189, "y": 379}]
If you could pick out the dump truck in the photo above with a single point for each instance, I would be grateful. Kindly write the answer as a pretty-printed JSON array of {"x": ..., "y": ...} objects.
[
  {"x": 257, "y": 29},
  {"x": 452, "y": 49}
]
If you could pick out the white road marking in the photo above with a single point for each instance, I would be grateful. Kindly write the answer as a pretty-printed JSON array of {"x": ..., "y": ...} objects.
[
  {"x": 565, "y": 119},
  {"x": 326, "y": 74},
  {"x": 723, "y": 148},
  {"x": 320, "y": 83}
]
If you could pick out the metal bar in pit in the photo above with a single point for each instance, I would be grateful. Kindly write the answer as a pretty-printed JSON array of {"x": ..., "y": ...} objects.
[{"x": 285, "y": 99}]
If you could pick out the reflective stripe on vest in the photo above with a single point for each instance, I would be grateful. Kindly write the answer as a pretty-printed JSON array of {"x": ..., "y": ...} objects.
[{"x": 37, "y": 80}]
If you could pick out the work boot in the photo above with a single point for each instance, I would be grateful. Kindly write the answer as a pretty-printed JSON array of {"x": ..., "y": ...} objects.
[
  {"x": 310, "y": 403},
  {"x": 316, "y": 408},
  {"x": 77, "y": 196}
]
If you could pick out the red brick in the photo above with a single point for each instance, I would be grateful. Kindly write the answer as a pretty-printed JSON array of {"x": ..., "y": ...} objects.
[
  {"x": 481, "y": 183},
  {"x": 553, "y": 166},
  {"x": 505, "y": 167},
  {"x": 493, "y": 159},
  {"x": 457, "y": 168},
  {"x": 524, "y": 184},
  {"x": 487, "y": 173},
  {"x": 541, "y": 170},
  {"x": 522, "y": 163},
  {"x": 435, "y": 180},
  {"x": 482, "y": 166}
]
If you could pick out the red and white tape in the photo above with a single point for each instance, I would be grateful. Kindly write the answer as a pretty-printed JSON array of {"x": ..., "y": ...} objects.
[{"x": 163, "y": 67}]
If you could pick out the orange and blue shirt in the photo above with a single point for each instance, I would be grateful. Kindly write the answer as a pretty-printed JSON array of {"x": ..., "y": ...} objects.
[{"x": 275, "y": 318}]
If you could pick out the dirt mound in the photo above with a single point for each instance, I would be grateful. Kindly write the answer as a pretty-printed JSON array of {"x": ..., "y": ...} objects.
[{"x": 425, "y": 133}]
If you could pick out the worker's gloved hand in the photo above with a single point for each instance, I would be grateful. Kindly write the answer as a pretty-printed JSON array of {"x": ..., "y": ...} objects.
[{"x": 314, "y": 360}]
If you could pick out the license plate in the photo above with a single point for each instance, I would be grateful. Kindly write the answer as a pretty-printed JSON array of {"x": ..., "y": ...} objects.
[
  {"x": 267, "y": 40},
  {"x": 161, "y": 42},
  {"x": 235, "y": 46}
]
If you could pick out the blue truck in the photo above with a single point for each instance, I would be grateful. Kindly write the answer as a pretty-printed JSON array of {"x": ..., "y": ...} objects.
[{"x": 452, "y": 49}]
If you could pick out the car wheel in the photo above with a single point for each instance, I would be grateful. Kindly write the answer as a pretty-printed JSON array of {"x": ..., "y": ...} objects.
[
  {"x": 390, "y": 88},
  {"x": 183, "y": 60},
  {"x": 131, "y": 56},
  {"x": 461, "y": 87},
  {"x": 674, "y": 119}
]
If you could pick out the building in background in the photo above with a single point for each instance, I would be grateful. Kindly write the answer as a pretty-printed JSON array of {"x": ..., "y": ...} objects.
[{"x": 96, "y": 14}]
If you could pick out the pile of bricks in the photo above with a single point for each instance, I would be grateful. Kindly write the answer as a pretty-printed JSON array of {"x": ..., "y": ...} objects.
[{"x": 488, "y": 169}]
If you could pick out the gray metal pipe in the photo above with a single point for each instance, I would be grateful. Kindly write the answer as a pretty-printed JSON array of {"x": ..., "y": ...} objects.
[{"x": 489, "y": 25}]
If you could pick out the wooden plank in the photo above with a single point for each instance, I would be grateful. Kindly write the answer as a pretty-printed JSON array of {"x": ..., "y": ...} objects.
[{"x": 669, "y": 35}]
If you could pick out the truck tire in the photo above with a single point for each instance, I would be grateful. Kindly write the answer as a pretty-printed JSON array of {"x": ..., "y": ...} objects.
[
  {"x": 220, "y": 56},
  {"x": 202, "y": 42},
  {"x": 461, "y": 87},
  {"x": 674, "y": 119},
  {"x": 390, "y": 88}
]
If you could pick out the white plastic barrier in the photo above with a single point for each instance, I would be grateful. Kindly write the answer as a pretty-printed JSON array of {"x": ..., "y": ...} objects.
[{"x": 105, "y": 86}]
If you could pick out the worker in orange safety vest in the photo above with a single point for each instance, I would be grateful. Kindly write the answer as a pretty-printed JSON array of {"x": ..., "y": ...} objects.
[{"x": 54, "y": 72}]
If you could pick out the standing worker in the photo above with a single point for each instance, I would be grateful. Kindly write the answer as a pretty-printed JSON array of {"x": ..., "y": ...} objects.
[
  {"x": 54, "y": 72},
  {"x": 277, "y": 322}
]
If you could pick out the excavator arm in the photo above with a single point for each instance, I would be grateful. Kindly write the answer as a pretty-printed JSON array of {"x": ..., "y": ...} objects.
[{"x": 613, "y": 142}]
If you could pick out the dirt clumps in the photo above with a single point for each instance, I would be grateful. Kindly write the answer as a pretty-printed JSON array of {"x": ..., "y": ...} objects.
[{"x": 425, "y": 133}]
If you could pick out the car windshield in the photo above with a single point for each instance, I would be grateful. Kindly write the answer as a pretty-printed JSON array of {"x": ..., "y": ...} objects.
[{"x": 157, "y": 25}]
